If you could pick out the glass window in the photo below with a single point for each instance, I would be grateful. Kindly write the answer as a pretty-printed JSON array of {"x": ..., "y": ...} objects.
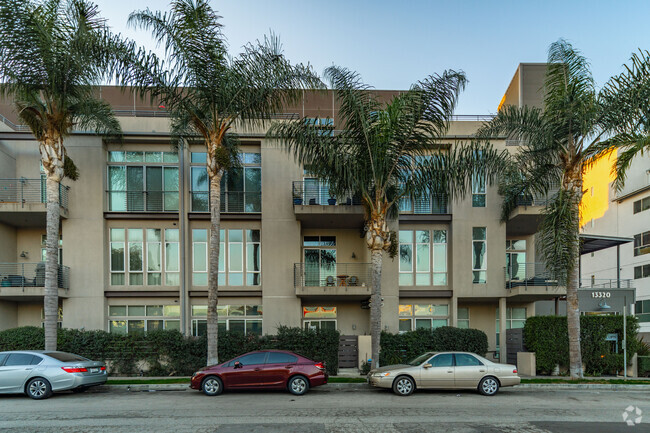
[
  {"x": 66, "y": 357},
  {"x": 423, "y": 310},
  {"x": 253, "y": 358},
  {"x": 254, "y": 327},
  {"x": 479, "y": 257},
  {"x": 463, "y": 318},
  {"x": 405, "y": 325},
  {"x": 154, "y": 310},
  {"x": 2, "y": 358},
  {"x": 281, "y": 358},
  {"x": 478, "y": 190},
  {"x": 406, "y": 310},
  {"x": 22, "y": 359},
  {"x": 172, "y": 310},
  {"x": 117, "y": 327},
  {"x": 199, "y": 158},
  {"x": 253, "y": 310},
  {"x": 136, "y": 327},
  {"x": 200, "y": 310},
  {"x": 117, "y": 311},
  {"x": 136, "y": 310},
  {"x": 116, "y": 157},
  {"x": 442, "y": 360},
  {"x": 465, "y": 360}
]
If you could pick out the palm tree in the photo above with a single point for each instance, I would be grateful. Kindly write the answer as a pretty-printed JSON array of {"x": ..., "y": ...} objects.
[
  {"x": 386, "y": 152},
  {"x": 559, "y": 142},
  {"x": 52, "y": 53},
  {"x": 207, "y": 93},
  {"x": 629, "y": 92}
]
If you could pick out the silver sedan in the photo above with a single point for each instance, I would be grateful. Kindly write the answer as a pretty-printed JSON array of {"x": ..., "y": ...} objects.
[
  {"x": 40, "y": 373},
  {"x": 445, "y": 370}
]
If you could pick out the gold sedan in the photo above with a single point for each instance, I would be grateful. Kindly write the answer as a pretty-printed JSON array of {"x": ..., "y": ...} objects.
[{"x": 445, "y": 370}]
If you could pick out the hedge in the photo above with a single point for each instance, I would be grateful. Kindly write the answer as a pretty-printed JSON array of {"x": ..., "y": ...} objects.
[
  {"x": 166, "y": 353},
  {"x": 548, "y": 337},
  {"x": 400, "y": 348}
]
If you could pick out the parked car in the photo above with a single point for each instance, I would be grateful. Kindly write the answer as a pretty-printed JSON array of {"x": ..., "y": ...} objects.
[
  {"x": 40, "y": 373},
  {"x": 272, "y": 369},
  {"x": 445, "y": 370}
]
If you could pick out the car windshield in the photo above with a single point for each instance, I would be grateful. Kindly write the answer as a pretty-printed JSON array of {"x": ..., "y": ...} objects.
[
  {"x": 66, "y": 357},
  {"x": 420, "y": 359}
]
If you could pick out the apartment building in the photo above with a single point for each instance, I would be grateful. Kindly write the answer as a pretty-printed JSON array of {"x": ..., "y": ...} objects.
[
  {"x": 624, "y": 214},
  {"x": 134, "y": 238}
]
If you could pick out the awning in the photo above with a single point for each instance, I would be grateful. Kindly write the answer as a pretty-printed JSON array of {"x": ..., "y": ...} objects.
[{"x": 592, "y": 243}]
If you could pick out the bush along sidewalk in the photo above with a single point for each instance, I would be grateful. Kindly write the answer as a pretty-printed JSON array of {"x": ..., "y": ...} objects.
[
  {"x": 547, "y": 336},
  {"x": 169, "y": 353},
  {"x": 400, "y": 348}
]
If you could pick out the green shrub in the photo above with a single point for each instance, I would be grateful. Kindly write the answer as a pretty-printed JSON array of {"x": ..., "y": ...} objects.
[
  {"x": 547, "y": 336},
  {"x": 166, "y": 353},
  {"x": 399, "y": 348}
]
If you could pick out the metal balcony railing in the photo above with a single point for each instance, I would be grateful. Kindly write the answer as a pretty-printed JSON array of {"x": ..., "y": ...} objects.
[
  {"x": 30, "y": 275},
  {"x": 142, "y": 201},
  {"x": 435, "y": 204},
  {"x": 25, "y": 191},
  {"x": 537, "y": 199},
  {"x": 316, "y": 193},
  {"x": 332, "y": 275},
  {"x": 231, "y": 201},
  {"x": 528, "y": 275},
  {"x": 536, "y": 275}
]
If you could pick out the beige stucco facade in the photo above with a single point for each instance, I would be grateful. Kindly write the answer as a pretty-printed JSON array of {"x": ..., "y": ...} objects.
[{"x": 283, "y": 292}]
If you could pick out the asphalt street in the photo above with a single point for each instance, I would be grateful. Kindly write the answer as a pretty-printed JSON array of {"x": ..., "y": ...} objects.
[{"x": 328, "y": 410}]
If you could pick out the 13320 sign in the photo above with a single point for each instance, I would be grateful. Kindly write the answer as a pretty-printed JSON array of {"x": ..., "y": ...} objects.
[{"x": 601, "y": 294}]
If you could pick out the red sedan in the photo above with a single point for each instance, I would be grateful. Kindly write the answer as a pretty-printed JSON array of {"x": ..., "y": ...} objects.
[{"x": 273, "y": 369}]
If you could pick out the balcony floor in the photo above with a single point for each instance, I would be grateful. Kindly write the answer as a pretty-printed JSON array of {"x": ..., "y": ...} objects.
[
  {"x": 27, "y": 294},
  {"x": 332, "y": 292},
  {"x": 330, "y": 216},
  {"x": 28, "y": 215}
]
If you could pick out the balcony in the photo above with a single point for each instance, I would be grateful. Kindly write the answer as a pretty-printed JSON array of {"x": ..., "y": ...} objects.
[
  {"x": 316, "y": 208},
  {"x": 231, "y": 201},
  {"x": 346, "y": 280},
  {"x": 526, "y": 218},
  {"x": 142, "y": 201},
  {"x": 531, "y": 281},
  {"x": 23, "y": 202},
  {"x": 26, "y": 281}
]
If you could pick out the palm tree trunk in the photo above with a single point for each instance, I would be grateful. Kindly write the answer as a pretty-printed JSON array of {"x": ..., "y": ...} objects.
[
  {"x": 573, "y": 307},
  {"x": 375, "y": 305},
  {"x": 51, "y": 292},
  {"x": 213, "y": 269}
]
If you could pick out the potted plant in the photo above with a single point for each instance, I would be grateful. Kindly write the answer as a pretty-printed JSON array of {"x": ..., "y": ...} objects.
[
  {"x": 297, "y": 197},
  {"x": 331, "y": 201}
]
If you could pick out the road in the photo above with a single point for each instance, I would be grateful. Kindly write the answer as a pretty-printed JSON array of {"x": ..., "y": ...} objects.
[{"x": 326, "y": 409}]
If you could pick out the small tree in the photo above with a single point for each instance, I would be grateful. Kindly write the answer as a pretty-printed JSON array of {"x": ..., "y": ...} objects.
[
  {"x": 207, "y": 93},
  {"x": 387, "y": 152},
  {"x": 52, "y": 54}
]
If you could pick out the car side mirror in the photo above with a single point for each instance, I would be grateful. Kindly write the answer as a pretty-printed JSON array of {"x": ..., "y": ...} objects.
[
  {"x": 238, "y": 364},
  {"x": 427, "y": 365}
]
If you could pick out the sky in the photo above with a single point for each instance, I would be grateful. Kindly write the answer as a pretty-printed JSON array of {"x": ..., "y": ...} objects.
[{"x": 393, "y": 44}]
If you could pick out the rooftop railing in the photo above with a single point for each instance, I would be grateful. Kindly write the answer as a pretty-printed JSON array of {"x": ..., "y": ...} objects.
[
  {"x": 332, "y": 275},
  {"x": 25, "y": 191},
  {"x": 30, "y": 275}
]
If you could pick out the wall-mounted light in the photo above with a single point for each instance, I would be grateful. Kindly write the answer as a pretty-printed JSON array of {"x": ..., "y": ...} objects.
[
  {"x": 354, "y": 256},
  {"x": 24, "y": 254},
  {"x": 602, "y": 306}
]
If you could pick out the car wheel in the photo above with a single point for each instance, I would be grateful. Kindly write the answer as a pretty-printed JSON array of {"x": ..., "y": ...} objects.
[
  {"x": 403, "y": 386},
  {"x": 80, "y": 389},
  {"x": 38, "y": 388},
  {"x": 212, "y": 386},
  {"x": 488, "y": 386},
  {"x": 298, "y": 385}
]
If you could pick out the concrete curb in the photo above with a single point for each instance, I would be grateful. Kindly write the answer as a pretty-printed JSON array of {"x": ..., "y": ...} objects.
[{"x": 348, "y": 387}]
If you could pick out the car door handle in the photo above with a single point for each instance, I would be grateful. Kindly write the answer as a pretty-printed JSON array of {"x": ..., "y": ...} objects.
[
  {"x": 288, "y": 367},
  {"x": 258, "y": 369},
  {"x": 450, "y": 371},
  {"x": 481, "y": 371},
  {"x": 29, "y": 368}
]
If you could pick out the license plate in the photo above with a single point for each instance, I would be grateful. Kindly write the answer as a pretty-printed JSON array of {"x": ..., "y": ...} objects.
[{"x": 94, "y": 370}]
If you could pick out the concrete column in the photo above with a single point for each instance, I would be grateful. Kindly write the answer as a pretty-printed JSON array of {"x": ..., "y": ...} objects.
[
  {"x": 557, "y": 306},
  {"x": 502, "y": 330},
  {"x": 454, "y": 311}
]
